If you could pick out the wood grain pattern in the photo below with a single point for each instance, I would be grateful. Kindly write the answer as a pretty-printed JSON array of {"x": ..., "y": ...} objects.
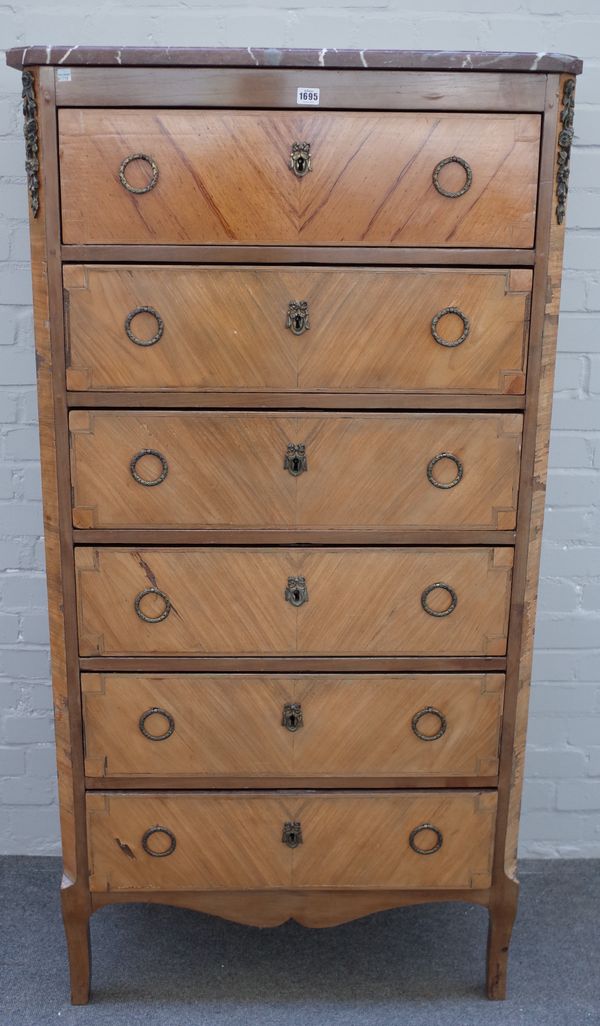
[
  {"x": 223, "y": 178},
  {"x": 171, "y": 400},
  {"x": 533, "y": 503},
  {"x": 225, "y": 328},
  {"x": 368, "y": 256},
  {"x": 69, "y": 786},
  {"x": 232, "y": 841},
  {"x": 52, "y": 413},
  {"x": 314, "y": 909},
  {"x": 231, "y": 601},
  {"x": 231, "y": 725},
  {"x": 545, "y": 305},
  {"x": 291, "y": 664},
  {"x": 367, "y": 240},
  {"x": 227, "y": 469},
  {"x": 289, "y": 536},
  {"x": 278, "y": 87}
]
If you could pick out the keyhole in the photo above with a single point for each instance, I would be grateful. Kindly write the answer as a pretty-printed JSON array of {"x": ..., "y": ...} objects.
[
  {"x": 296, "y": 466},
  {"x": 292, "y": 834},
  {"x": 300, "y": 164},
  {"x": 293, "y": 720},
  {"x": 296, "y": 592},
  {"x": 298, "y": 322}
]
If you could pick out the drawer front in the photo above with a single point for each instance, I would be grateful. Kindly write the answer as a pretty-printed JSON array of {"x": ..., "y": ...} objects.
[
  {"x": 287, "y": 601},
  {"x": 222, "y": 725},
  {"x": 231, "y": 328},
  {"x": 236, "y": 841},
  {"x": 224, "y": 177},
  {"x": 159, "y": 469}
]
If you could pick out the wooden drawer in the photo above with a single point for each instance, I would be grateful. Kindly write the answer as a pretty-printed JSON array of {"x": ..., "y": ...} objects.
[
  {"x": 317, "y": 726},
  {"x": 223, "y": 177},
  {"x": 370, "y": 329},
  {"x": 232, "y": 601},
  {"x": 233, "y": 841},
  {"x": 228, "y": 470}
]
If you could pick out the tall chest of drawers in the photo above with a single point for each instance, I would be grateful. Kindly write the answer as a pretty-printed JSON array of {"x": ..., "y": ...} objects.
[{"x": 295, "y": 318}]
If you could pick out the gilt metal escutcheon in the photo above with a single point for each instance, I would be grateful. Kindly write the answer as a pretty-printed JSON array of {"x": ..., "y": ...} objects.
[
  {"x": 297, "y": 316},
  {"x": 292, "y": 833},
  {"x": 295, "y": 459},
  {"x": 296, "y": 592},
  {"x": 292, "y": 718},
  {"x": 300, "y": 162}
]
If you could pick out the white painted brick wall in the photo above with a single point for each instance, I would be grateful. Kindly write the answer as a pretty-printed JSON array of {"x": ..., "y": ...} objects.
[{"x": 562, "y": 796}]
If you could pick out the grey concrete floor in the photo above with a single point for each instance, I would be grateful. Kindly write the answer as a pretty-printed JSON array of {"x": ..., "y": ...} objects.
[{"x": 418, "y": 966}]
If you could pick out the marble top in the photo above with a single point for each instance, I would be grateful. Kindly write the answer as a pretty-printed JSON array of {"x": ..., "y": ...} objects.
[{"x": 196, "y": 57}]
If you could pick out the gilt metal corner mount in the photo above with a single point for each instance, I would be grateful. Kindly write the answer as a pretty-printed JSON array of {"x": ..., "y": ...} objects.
[
  {"x": 30, "y": 130},
  {"x": 565, "y": 139}
]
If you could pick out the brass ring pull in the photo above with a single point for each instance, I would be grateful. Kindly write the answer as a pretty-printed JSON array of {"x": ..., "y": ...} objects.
[
  {"x": 436, "y": 459},
  {"x": 132, "y": 188},
  {"x": 159, "y": 830},
  {"x": 296, "y": 592},
  {"x": 156, "y": 711},
  {"x": 425, "y": 851},
  {"x": 149, "y": 483},
  {"x": 160, "y": 326},
  {"x": 457, "y": 341},
  {"x": 292, "y": 718},
  {"x": 436, "y": 177},
  {"x": 300, "y": 162},
  {"x": 152, "y": 619},
  {"x": 443, "y": 587},
  {"x": 292, "y": 834},
  {"x": 429, "y": 710}
]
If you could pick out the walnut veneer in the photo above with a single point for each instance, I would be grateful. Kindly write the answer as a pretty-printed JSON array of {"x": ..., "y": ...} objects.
[{"x": 295, "y": 374}]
